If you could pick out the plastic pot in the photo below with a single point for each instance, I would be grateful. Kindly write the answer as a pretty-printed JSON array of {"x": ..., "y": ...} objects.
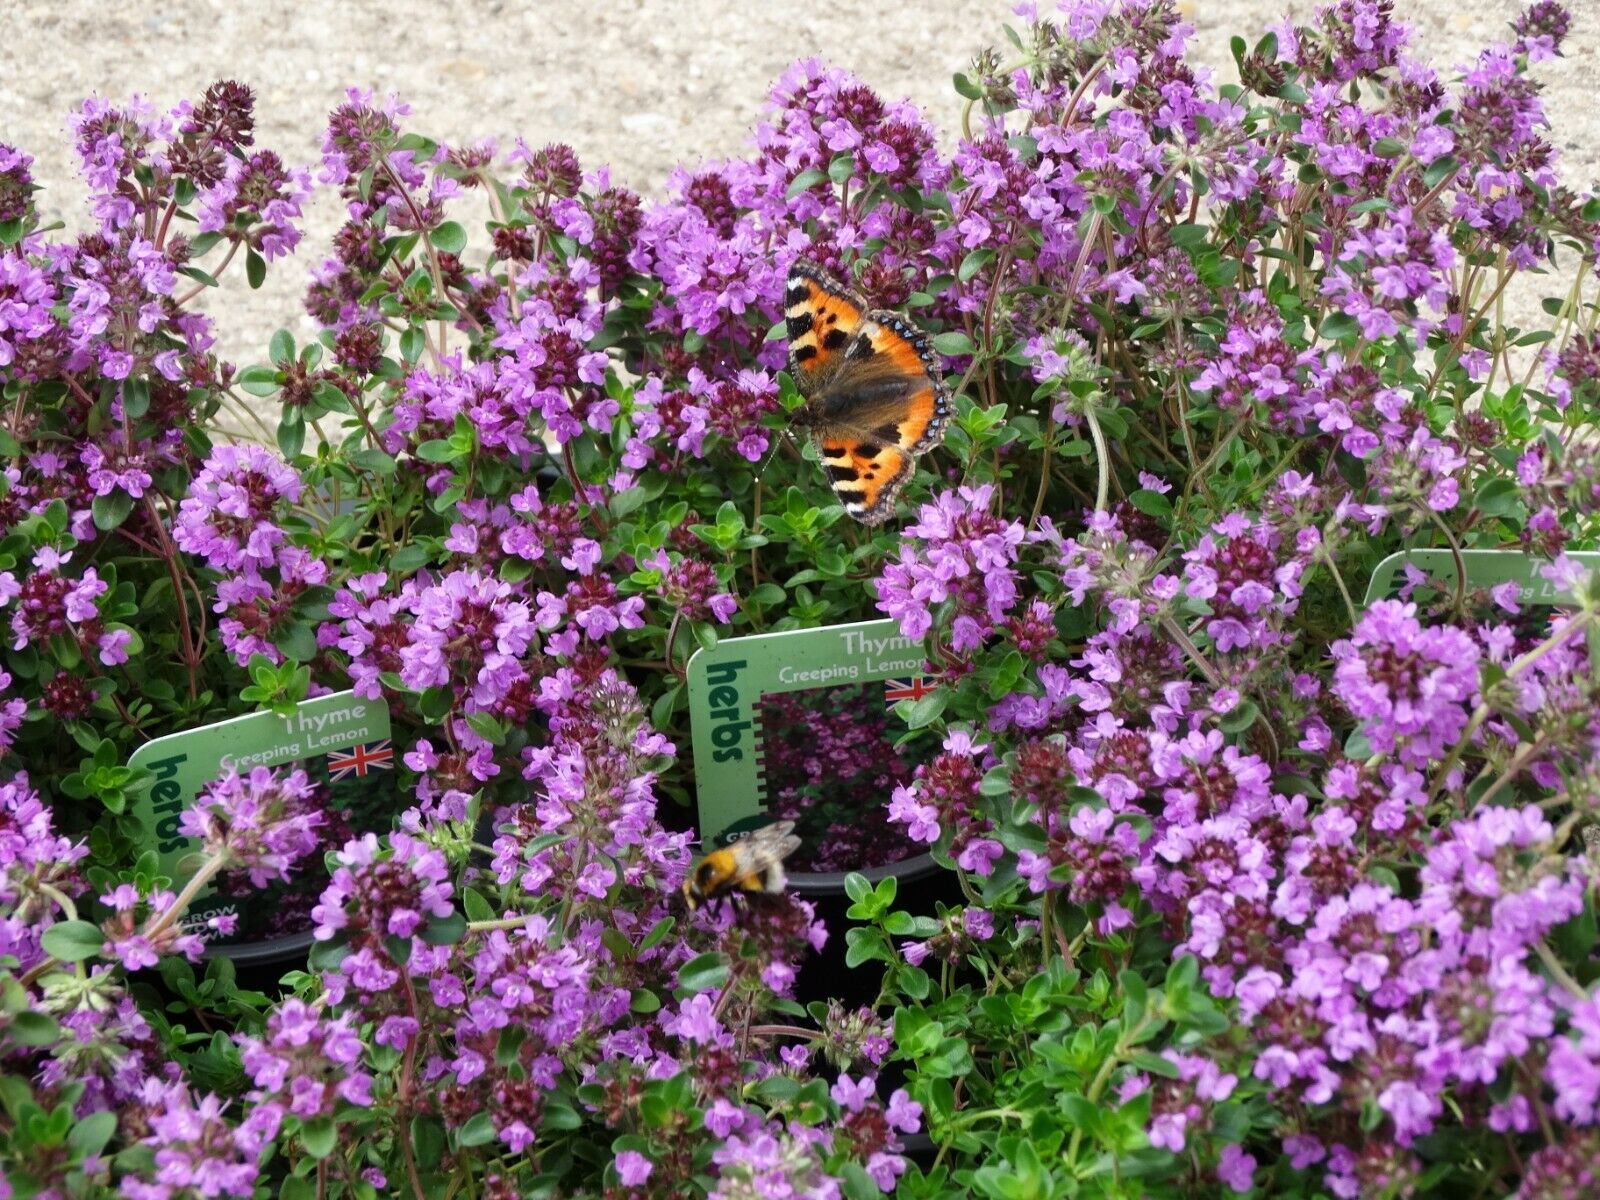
[
  {"x": 920, "y": 1149},
  {"x": 261, "y": 964}
]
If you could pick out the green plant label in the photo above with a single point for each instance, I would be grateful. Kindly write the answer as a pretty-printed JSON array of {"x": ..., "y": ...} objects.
[
  {"x": 1484, "y": 568},
  {"x": 340, "y": 739},
  {"x": 736, "y": 724}
]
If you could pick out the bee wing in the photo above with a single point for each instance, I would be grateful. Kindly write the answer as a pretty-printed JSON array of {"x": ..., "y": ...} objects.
[
  {"x": 761, "y": 855},
  {"x": 774, "y": 832},
  {"x": 775, "y": 841}
]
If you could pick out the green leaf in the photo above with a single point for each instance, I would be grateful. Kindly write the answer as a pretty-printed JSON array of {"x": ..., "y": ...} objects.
[
  {"x": 259, "y": 380},
  {"x": 476, "y": 1130},
  {"x": 297, "y": 642},
  {"x": 33, "y": 1029},
  {"x": 974, "y": 262},
  {"x": 408, "y": 559},
  {"x": 428, "y": 1140},
  {"x": 1497, "y": 498},
  {"x": 445, "y": 931},
  {"x": 73, "y": 941},
  {"x": 487, "y": 726},
  {"x": 440, "y": 450},
  {"x": 281, "y": 349},
  {"x": 291, "y": 436},
  {"x": 662, "y": 708},
  {"x": 255, "y": 268},
  {"x": 91, "y": 1133},
  {"x": 412, "y": 341},
  {"x": 319, "y": 1136},
  {"x": 135, "y": 397},
  {"x": 1154, "y": 1064},
  {"x": 953, "y": 344},
  {"x": 1575, "y": 939},
  {"x": 1336, "y": 327},
  {"x": 1357, "y": 745},
  {"x": 1007, "y": 675},
  {"x": 658, "y": 933},
  {"x": 1241, "y": 718},
  {"x": 1150, "y": 502},
  {"x": 1439, "y": 170},
  {"x": 111, "y": 511},
  {"x": 477, "y": 906},
  {"x": 858, "y": 1185},
  {"x": 561, "y": 1116},
  {"x": 996, "y": 782},
  {"x": 803, "y": 182},
  {"x": 924, "y": 712},
  {"x": 377, "y": 461},
  {"x": 450, "y": 238},
  {"x": 704, "y": 972},
  {"x": 865, "y": 945},
  {"x": 644, "y": 1001}
]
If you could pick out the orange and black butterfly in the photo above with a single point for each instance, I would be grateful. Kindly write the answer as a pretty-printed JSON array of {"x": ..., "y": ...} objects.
[{"x": 875, "y": 396}]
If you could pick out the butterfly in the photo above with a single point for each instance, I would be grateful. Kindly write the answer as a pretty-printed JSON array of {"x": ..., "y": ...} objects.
[
  {"x": 873, "y": 386},
  {"x": 753, "y": 865}
]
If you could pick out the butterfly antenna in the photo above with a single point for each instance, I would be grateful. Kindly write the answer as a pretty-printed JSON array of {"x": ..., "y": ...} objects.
[{"x": 777, "y": 444}]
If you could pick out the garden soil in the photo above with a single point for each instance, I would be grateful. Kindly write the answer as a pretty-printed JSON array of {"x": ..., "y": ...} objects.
[{"x": 641, "y": 85}]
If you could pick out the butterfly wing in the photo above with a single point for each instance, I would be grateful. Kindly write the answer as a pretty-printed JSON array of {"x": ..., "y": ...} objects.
[
  {"x": 883, "y": 405},
  {"x": 822, "y": 316},
  {"x": 903, "y": 350},
  {"x": 867, "y": 476}
]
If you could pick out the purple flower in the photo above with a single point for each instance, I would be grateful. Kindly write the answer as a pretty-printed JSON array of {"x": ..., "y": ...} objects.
[
  {"x": 260, "y": 822},
  {"x": 853, "y": 1096},
  {"x": 1236, "y": 1169},
  {"x": 921, "y": 820},
  {"x": 259, "y": 196},
  {"x": 227, "y": 516},
  {"x": 307, "y": 1061},
  {"x": 1410, "y": 686},
  {"x": 377, "y": 894},
  {"x": 904, "y": 1113},
  {"x": 957, "y": 550},
  {"x": 196, "y": 1151},
  {"x": 633, "y": 1168},
  {"x": 695, "y": 1021}
]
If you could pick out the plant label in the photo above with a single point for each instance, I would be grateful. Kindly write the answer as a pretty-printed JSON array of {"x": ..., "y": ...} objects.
[
  {"x": 774, "y": 704},
  {"x": 340, "y": 740}
]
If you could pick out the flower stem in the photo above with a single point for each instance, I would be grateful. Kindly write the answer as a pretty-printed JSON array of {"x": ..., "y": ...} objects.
[
  {"x": 159, "y": 923},
  {"x": 1102, "y": 459}
]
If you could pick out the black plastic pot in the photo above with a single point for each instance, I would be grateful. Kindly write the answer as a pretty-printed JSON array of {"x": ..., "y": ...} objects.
[
  {"x": 920, "y": 1149},
  {"x": 921, "y": 882},
  {"x": 261, "y": 964}
]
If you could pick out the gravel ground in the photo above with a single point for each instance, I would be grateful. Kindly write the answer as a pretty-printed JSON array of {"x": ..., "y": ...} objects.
[{"x": 639, "y": 84}]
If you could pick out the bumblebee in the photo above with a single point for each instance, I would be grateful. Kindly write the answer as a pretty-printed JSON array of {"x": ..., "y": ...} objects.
[{"x": 753, "y": 865}]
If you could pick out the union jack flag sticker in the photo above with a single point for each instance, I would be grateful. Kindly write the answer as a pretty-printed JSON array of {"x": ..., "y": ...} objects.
[
  {"x": 915, "y": 688},
  {"x": 358, "y": 760}
]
